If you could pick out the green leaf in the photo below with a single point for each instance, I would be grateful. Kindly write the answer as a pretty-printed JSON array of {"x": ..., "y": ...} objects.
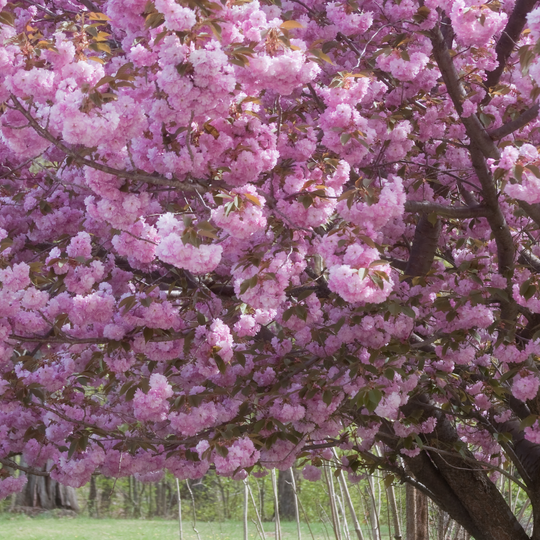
[
  {"x": 527, "y": 289},
  {"x": 327, "y": 397},
  {"x": 154, "y": 20},
  {"x": 7, "y": 18},
  {"x": 388, "y": 480},
  {"x": 432, "y": 218},
  {"x": 127, "y": 303},
  {"x": 374, "y": 398},
  {"x": 344, "y": 138},
  {"x": 219, "y": 363},
  {"x": 306, "y": 200},
  {"x": 148, "y": 334},
  {"x": 303, "y": 295},
  {"x": 528, "y": 422}
]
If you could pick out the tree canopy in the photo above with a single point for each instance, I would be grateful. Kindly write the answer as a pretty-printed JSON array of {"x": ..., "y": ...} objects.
[{"x": 239, "y": 233}]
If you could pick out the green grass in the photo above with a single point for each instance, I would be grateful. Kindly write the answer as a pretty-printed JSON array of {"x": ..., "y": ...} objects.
[{"x": 17, "y": 527}]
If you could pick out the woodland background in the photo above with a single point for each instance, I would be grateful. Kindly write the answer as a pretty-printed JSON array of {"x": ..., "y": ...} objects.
[{"x": 215, "y": 507}]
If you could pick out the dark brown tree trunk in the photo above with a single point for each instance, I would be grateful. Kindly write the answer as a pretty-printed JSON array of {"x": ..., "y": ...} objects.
[
  {"x": 92, "y": 497},
  {"x": 286, "y": 496}
]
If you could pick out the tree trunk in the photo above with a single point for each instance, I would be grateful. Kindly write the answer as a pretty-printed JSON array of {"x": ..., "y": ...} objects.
[
  {"x": 410, "y": 509},
  {"x": 422, "y": 525},
  {"x": 42, "y": 492},
  {"x": 286, "y": 496},
  {"x": 92, "y": 497},
  {"x": 391, "y": 501}
]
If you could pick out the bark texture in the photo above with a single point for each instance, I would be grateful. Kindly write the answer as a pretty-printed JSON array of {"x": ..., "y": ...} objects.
[{"x": 45, "y": 493}]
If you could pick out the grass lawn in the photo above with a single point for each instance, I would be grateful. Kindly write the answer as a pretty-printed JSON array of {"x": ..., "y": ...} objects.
[{"x": 18, "y": 527}]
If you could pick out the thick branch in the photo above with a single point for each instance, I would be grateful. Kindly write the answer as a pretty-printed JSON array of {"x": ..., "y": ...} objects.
[
  {"x": 130, "y": 175},
  {"x": 508, "y": 39},
  {"x": 475, "y": 130},
  {"x": 456, "y": 212},
  {"x": 506, "y": 129},
  {"x": 28, "y": 470},
  {"x": 497, "y": 221},
  {"x": 425, "y": 472},
  {"x": 532, "y": 210},
  {"x": 469, "y": 483},
  {"x": 503, "y": 238},
  {"x": 526, "y": 453},
  {"x": 478, "y": 465},
  {"x": 59, "y": 340},
  {"x": 426, "y": 238},
  {"x": 526, "y": 258}
]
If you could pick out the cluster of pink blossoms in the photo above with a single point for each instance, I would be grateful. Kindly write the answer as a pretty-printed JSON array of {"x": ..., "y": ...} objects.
[
  {"x": 153, "y": 405},
  {"x": 174, "y": 250}
]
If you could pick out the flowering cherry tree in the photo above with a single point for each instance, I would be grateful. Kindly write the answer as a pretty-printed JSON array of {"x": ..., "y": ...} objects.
[{"x": 234, "y": 234}]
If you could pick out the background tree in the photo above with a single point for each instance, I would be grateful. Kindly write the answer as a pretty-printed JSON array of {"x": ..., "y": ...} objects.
[
  {"x": 287, "y": 508},
  {"x": 238, "y": 233}
]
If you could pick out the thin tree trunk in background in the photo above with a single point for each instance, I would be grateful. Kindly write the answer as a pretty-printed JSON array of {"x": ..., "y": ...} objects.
[
  {"x": 179, "y": 510},
  {"x": 440, "y": 525},
  {"x": 410, "y": 509},
  {"x": 136, "y": 499},
  {"x": 157, "y": 497},
  {"x": 354, "y": 517},
  {"x": 523, "y": 508},
  {"x": 305, "y": 513},
  {"x": 364, "y": 505},
  {"x": 276, "y": 505},
  {"x": 333, "y": 506},
  {"x": 374, "y": 511},
  {"x": 296, "y": 505},
  {"x": 285, "y": 496},
  {"x": 224, "y": 499},
  {"x": 260, "y": 527},
  {"x": 422, "y": 522},
  {"x": 393, "y": 512},
  {"x": 193, "y": 509},
  {"x": 262, "y": 491},
  {"x": 341, "y": 501},
  {"x": 92, "y": 496},
  {"x": 246, "y": 495}
]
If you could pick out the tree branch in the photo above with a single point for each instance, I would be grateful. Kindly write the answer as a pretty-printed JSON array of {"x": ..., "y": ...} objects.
[
  {"x": 506, "y": 129},
  {"x": 497, "y": 221},
  {"x": 48, "y": 338},
  {"x": 28, "y": 470},
  {"x": 130, "y": 175},
  {"x": 480, "y": 465},
  {"x": 436, "y": 487},
  {"x": 471, "y": 485},
  {"x": 527, "y": 258},
  {"x": 532, "y": 210},
  {"x": 456, "y": 212},
  {"x": 475, "y": 130},
  {"x": 508, "y": 39},
  {"x": 426, "y": 239}
]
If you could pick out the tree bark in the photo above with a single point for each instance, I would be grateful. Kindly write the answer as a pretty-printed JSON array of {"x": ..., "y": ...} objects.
[
  {"x": 45, "y": 493},
  {"x": 286, "y": 496},
  {"x": 422, "y": 524},
  {"x": 410, "y": 510},
  {"x": 92, "y": 497}
]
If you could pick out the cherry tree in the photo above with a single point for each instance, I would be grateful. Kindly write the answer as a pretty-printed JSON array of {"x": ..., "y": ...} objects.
[{"x": 236, "y": 234}]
